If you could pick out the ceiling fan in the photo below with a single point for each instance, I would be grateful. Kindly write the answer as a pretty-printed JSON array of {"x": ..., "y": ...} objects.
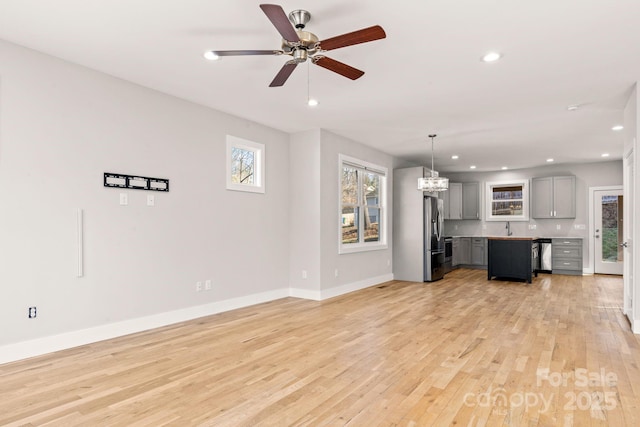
[{"x": 302, "y": 45}]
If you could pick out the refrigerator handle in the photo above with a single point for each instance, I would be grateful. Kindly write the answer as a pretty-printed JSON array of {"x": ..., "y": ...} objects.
[{"x": 440, "y": 213}]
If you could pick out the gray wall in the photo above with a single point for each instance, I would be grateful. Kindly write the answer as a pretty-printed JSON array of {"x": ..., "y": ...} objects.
[
  {"x": 305, "y": 220},
  {"x": 587, "y": 175},
  {"x": 62, "y": 126},
  {"x": 353, "y": 268},
  {"x": 315, "y": 217}
]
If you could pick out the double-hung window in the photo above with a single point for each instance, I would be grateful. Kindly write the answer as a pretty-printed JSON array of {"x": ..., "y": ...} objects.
[{"x": 362, "y": 221}]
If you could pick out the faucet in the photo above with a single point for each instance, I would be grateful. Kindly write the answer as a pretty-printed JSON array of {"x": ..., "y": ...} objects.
[{"x": 508, "y": 227}]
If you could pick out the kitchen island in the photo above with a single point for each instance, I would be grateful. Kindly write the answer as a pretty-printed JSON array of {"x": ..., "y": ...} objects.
[{"x": 512, "y": 258}]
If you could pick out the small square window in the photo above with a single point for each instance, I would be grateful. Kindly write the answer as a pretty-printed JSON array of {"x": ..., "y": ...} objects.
[
  {"x": 245, "y": 165},
  {"x": 508, "y": 201}
]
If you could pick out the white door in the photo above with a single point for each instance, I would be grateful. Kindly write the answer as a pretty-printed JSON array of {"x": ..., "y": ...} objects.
[
  {"x": 629, "y": 185},
  {"x": 608, "y": 231}
]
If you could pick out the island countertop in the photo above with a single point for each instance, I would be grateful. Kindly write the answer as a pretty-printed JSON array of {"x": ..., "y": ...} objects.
[
  {"x": 511, "y": 238},
  {"x": 516, "y": 237}
]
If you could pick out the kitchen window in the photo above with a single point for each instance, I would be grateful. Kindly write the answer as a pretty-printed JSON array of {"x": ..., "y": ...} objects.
[
  {"x": 508, "y": 201},
  {"x": 362, "y": 216}
]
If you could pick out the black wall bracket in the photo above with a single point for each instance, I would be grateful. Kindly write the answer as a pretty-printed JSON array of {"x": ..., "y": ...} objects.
[{"x": 118, "y": 180}]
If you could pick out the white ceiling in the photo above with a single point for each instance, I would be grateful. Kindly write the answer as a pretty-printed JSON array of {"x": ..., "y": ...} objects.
[{"x": 425, "y": 77}]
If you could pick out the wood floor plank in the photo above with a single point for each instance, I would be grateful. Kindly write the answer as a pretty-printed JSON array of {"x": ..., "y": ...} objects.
[{"x": 460, "y": 351}]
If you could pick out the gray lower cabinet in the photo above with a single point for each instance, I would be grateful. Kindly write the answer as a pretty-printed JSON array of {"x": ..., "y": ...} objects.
[
  {"x": 455, "y": 251},
  {"x": 566, "y": 256},
  {"x": 478, "y": 251},
  {"x": 469, "y": 251},
  {"x": 553, "y": 197},
  {"x": 470, "y": 200},
  {"x": 464, "y": 253}
]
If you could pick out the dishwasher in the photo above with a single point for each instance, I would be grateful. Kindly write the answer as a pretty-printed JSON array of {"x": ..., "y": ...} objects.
[{"x": 544, "y": 255}]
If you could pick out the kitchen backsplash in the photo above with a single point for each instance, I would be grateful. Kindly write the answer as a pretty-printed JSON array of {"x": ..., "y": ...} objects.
[{"x": 543, "y": 228}]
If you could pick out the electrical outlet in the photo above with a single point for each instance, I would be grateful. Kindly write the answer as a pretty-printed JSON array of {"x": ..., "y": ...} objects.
[
  {"x": 124, "y": 199},
  {"x": 579, "y": 226},
  {"x": 207, "y": 285},
  {"x": 558, "y": 227},
  {"x": 198, "y": 286},
  {"x": 336, "y": 272},
  {"x": 533, "y": 226},
  {"x": 32, "y": 312},
  {"x": 304, "y": 274}
]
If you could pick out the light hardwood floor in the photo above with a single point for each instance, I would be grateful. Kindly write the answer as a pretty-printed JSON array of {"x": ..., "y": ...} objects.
[{"x": 462, "y": 351}]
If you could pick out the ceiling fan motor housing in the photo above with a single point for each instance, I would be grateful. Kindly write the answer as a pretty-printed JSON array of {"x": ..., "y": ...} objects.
[{"x": 308, "y": 43}]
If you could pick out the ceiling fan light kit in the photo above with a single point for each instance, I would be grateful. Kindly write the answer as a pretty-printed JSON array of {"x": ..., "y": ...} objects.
[{"x": 303, "y": 45}]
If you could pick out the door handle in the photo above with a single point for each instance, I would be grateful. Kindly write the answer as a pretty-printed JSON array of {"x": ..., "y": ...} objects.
[{"x": 624, "y": 245}]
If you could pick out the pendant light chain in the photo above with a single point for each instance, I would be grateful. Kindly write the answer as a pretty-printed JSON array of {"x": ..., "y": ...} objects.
[{"x": 432, "y": 168}]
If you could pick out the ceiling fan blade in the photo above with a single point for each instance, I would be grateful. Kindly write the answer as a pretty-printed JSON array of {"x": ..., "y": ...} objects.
[
  {"x": 283, "y": 74},
  {"x": 246, "y": 52},
  {"x": 356, "y": 37},
  {"x": 338, "y": 67},
  {"x": 280, "y": 20}
]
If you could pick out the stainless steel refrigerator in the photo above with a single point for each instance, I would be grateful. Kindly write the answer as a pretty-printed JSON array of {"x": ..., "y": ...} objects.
[{"x": 433, "y": 239}]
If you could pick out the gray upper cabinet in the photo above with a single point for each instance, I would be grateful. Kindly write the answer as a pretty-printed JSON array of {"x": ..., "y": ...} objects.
[
  {"x": 455, "y": 201},
  {"x": 470, "y": 200},
  {"x": 553, "y": 197}
]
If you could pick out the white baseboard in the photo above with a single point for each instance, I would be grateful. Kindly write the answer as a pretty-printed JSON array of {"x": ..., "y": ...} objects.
[
  {"x": 40, "y": 346},
  {"x": 339, "y": 290},
  {"x": 50, "y": 344},
  {"x": 355, "y": 286},
  {"x": 305, "y": 294}
]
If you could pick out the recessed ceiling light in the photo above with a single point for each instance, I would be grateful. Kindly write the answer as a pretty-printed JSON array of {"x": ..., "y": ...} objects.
[
  {"x": 549, "y": 160},
  {"x": 604, "y": 155},
  {"x": 504, "y": 168},
  {"x": 312, "y": 102},
  {"x": 617, "y": 127},
  {"x": 491, "y": 57},
  {"x": 472, "y": 167},
  {"x": 455, "y": 157},
  {"x": 211, "y": 55},
  {"x": 573, "y": 107}
]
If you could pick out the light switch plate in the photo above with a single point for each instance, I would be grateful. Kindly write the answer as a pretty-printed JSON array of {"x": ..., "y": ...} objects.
[
  {"x": 151, "y": 200},
  {"x": 124, "y": 199}
]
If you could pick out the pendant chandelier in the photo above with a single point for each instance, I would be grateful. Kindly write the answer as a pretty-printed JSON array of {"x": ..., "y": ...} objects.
[{"x": 433, "y": 183}]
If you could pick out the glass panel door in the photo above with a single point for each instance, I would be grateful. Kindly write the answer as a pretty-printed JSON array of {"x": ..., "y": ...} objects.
[{"x": 608, "y": 232}]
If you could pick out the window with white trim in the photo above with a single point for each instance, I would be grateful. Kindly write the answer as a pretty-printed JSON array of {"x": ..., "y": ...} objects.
[
  {"x": 245, "y": 165},
  {"x": 362, "y": 220},
  {"x": 508, "y": 201}
]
